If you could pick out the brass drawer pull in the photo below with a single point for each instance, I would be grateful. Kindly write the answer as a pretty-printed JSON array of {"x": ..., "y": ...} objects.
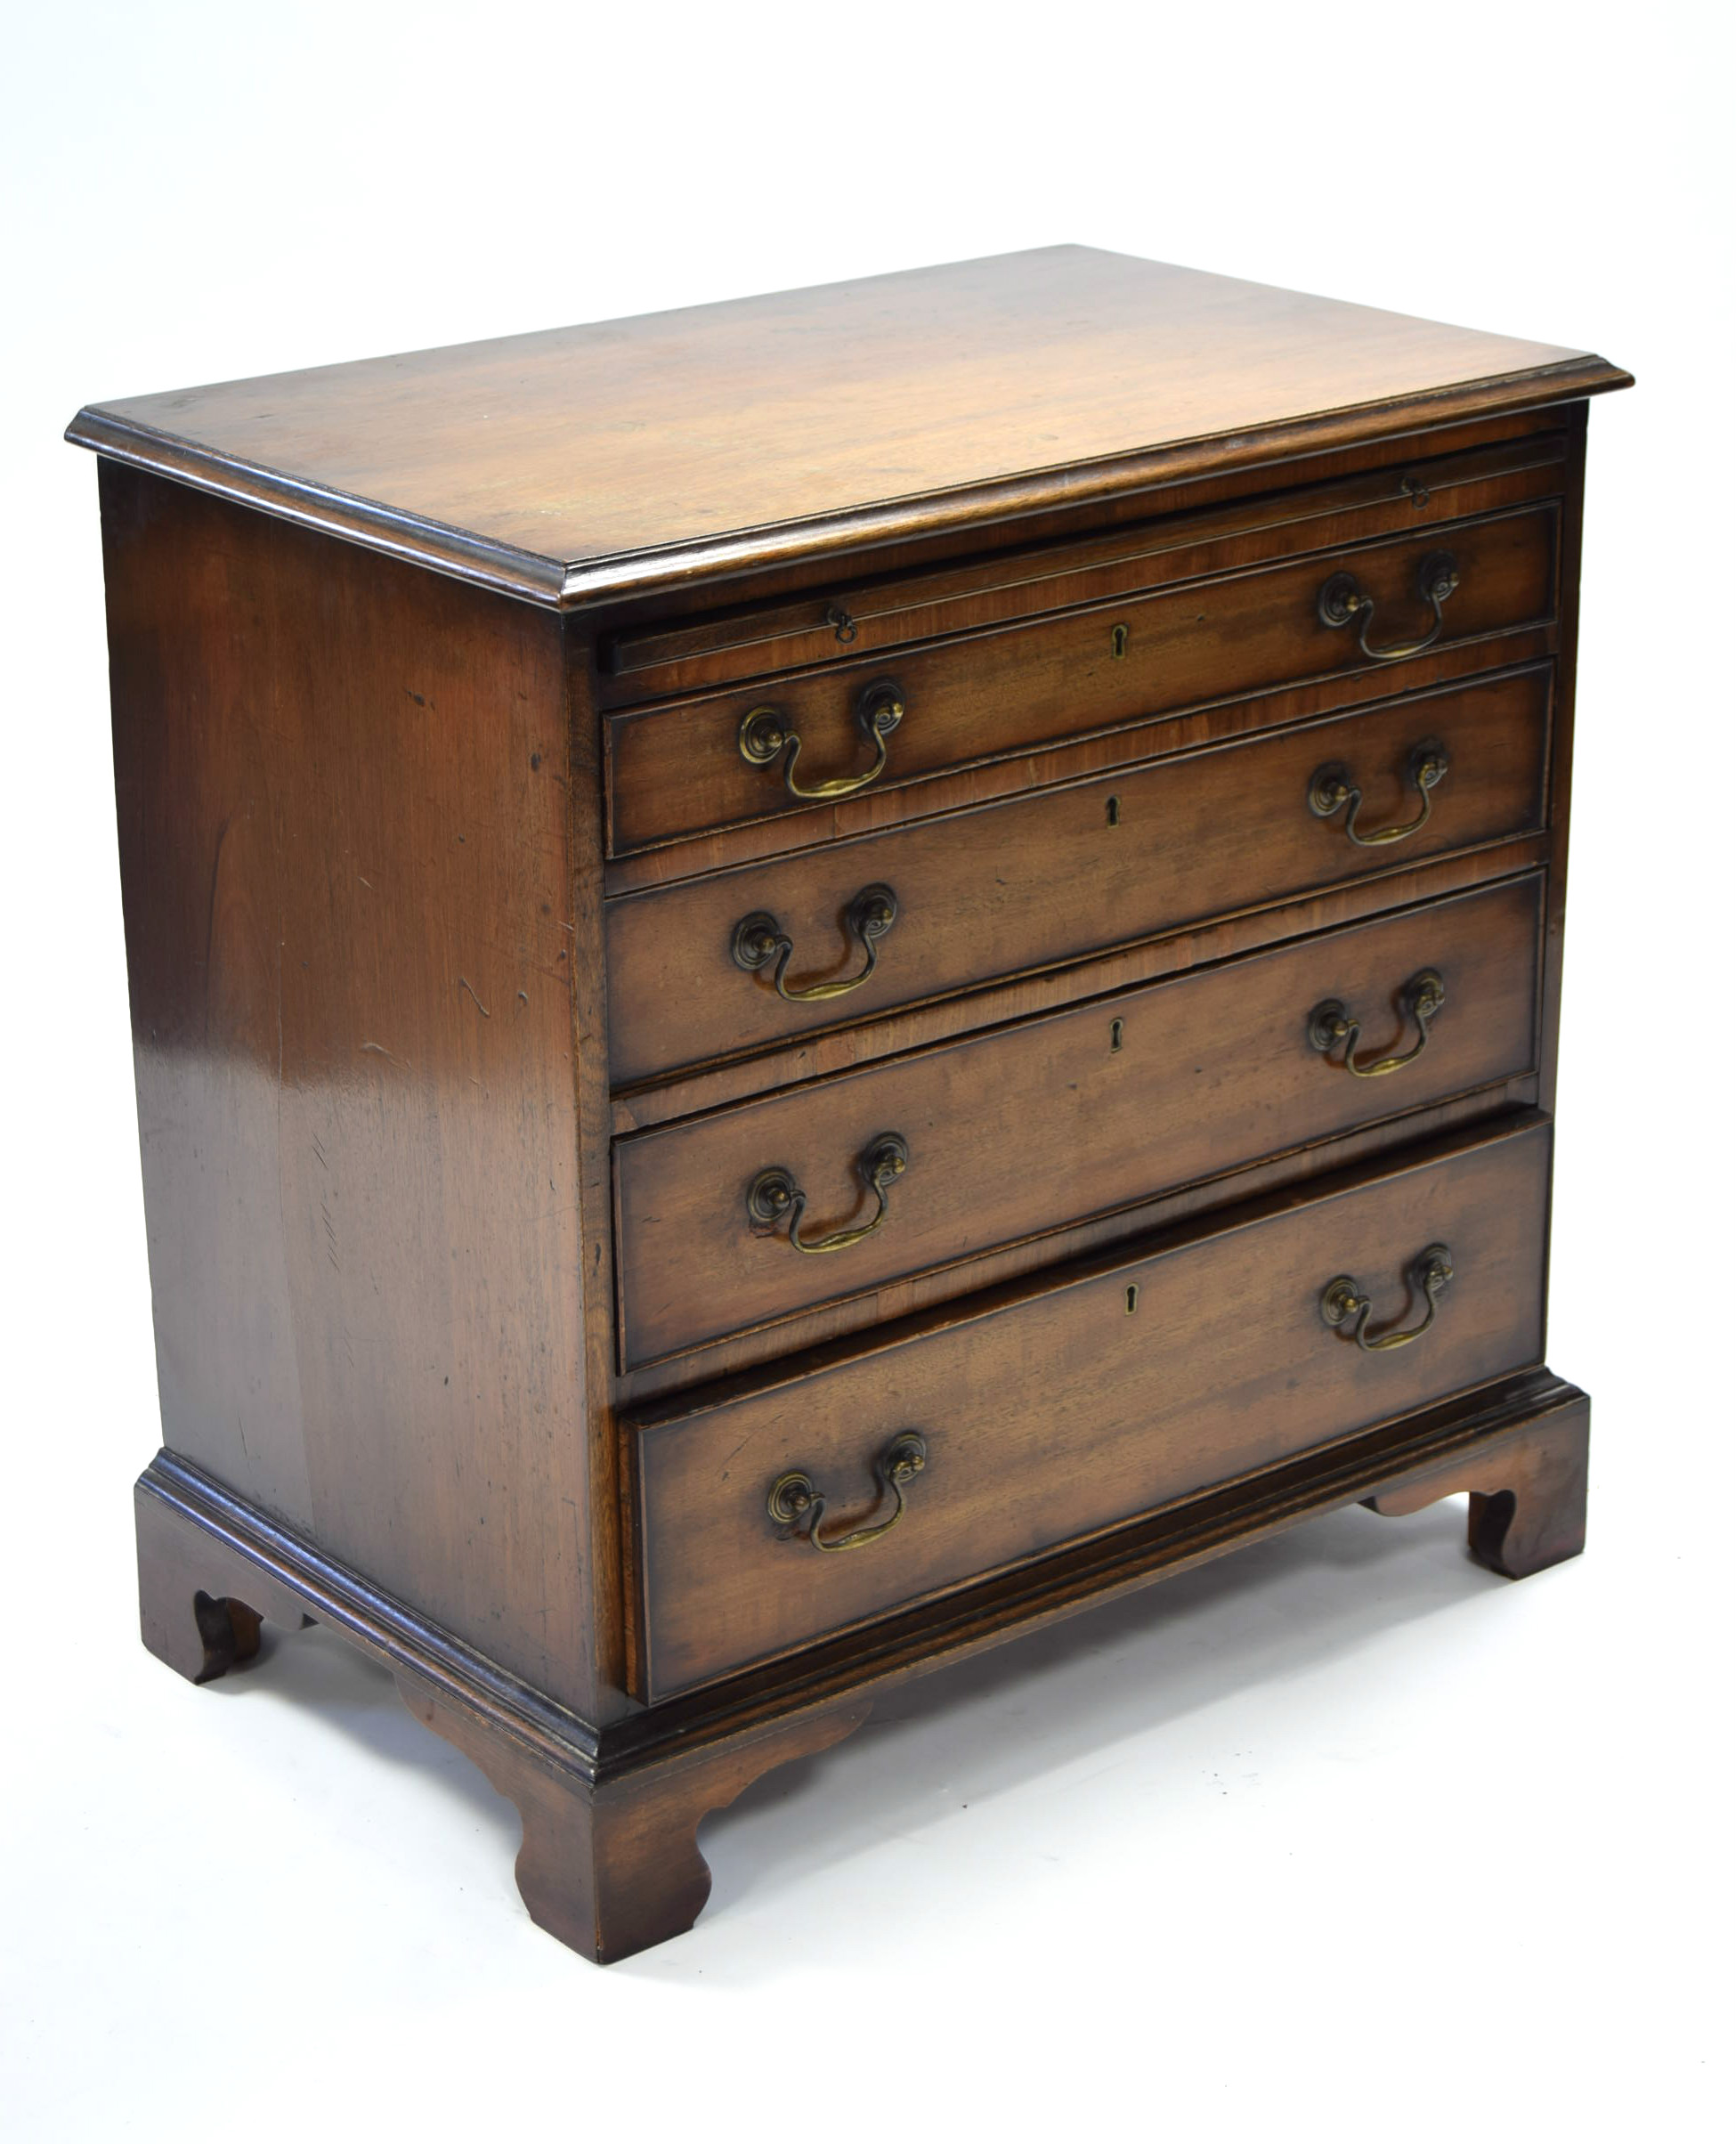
[
  {"x": 1332, "y": 789},
  {"x": 1342, "y": 1300},
  {"x": 1330, "y": 1024},
  {"x": 794, "y": 1497},
  {"x": 1343, "y": 598},
  {"x": 776, "y": 1198},
  {"x": 764, "y": 733},
  {"x": 760, "y": 940}
]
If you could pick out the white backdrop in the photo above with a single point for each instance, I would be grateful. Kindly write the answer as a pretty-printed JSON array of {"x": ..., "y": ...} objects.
[{"x": 1341, "y": 1837}]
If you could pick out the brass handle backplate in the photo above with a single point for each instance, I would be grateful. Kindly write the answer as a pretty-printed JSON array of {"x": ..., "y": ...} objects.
[
  {"x": 1332, "y": 789},
  {"x": 765, "y": 734},
  {"x": 1331, "y": 1024},
  {"x": 793, "y": 1499},
  {"x": 776, "y": 1200},
  {"x": 1343, "y": 1303},
  {"x": 1343, "y": 599},
  {"x": 760, "y": 941}
]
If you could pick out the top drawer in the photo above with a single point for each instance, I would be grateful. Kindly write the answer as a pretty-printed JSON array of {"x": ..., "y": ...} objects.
[
  {"x": 801, "y": 742},
  {"x": 854, "y": 619}
]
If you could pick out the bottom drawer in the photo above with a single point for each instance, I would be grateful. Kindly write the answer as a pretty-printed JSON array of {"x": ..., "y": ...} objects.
[{"x": 1079, "y": 1406}]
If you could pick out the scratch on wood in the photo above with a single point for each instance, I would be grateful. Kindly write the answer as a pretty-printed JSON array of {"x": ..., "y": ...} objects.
[
  {"x": 211, "y": 910},
  {"x": 480, "y": 1008}
]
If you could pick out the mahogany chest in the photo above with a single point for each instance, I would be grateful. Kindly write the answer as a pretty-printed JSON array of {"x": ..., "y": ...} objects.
[{"x": 816, "y": 980}]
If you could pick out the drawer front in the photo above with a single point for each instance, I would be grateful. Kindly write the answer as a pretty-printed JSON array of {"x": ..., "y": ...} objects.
[
  {"x": 1066, "y": 1116},
  {"x": 676, "y": 771},
  {"x": 1068, "y": 871},
  {"x": 659, "y": 661},
  {"x": 1080, "y": 1408}
]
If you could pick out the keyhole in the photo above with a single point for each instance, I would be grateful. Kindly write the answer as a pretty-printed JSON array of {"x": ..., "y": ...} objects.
[
  {"x": 1112, "y": 811},
  {"x": 1132, "y": 1298},
  {"x": 1115, "y": 1036},
  {"x": 1117, "y": 641}
]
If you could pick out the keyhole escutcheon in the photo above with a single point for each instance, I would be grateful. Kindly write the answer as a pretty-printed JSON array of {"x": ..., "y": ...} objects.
[
  {"x": 1115, "y": 1036},
  {"x": 1112, "y": 811},
  {"x": 1117, "y": 641},
  {"x": 1132, "y": 1298}
]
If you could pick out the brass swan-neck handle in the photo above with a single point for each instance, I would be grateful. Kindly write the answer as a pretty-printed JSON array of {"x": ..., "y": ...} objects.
[
  {"x": 793, "y": 1498},
  {"x": 765, "y": 734},
  {"x": 1342, "y": 599},
  {"x": 1342, "y": 1302},
  {"x": 1331, "y": 1024},
  {"x": 776, "y": 1200},
  {"x": 761, "y": 942},
  {"x": 1333, "y": 787}
]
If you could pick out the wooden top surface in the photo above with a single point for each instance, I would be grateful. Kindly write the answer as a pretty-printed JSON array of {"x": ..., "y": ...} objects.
[{"x": 593, "y": 461}]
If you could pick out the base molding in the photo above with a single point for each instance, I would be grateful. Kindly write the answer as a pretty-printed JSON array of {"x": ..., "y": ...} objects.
[
  {"x": 253, "y": 1558},
  {"x": 610, "y": 1862}
]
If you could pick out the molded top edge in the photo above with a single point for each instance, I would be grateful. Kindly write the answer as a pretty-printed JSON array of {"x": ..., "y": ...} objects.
[{"x": 586, "y": 464}]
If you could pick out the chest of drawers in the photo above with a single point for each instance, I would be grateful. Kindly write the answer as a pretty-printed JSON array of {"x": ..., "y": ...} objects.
[{"x": 818, "y": 980}]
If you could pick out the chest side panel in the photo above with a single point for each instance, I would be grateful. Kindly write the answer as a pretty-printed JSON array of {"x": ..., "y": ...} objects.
[{"x": 343, "y": 792}]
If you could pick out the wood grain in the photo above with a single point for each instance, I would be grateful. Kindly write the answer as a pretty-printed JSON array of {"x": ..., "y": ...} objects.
[
  {"x": 590, "y": 460},
  {"x": 1047, "y": 1124},
  {"x": 852, "y": 619},
  {"x": 1527, "y": 1497},
  {"x": 342, "y": 791},
  {"x": 1065, "y": 1413},
  {"x": 677, "y": 771},
  {"x": 781, "y": 582},
  {"x": 609, "y": 1861},
  {"x": 1066, "y": 872},
  {"x": 201, "y": 1603},
  {"x": 450, "y": 1090},
  {"x": 1217, "y": 722},
  {"x": 223, "y": 1539},
  {"x": 611, "y": 1867}
]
